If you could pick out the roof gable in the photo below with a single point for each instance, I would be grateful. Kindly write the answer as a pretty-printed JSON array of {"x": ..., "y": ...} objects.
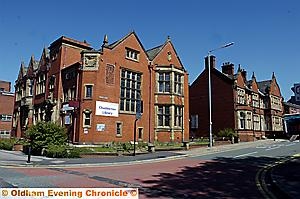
[
  {"x": 165, "y": 54},
  {"x": 118, "y": 42}
]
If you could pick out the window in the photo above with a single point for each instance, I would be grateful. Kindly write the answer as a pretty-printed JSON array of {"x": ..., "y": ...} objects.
[
  {"x": 30, "y": 86},
  {"x": 51, "y": 82},
  {"x": 275, "y": 103},
  {"x": 140, "y": 133},
  {"x": 130, "y": 90},
  {"x": 6, "y": 118},
  {"x": 119, "y": 129},
  {"x": 87, "y": 118},
  {"x": 164, "y": 82},
  {"x": 249, "y": 120},
  {"x": 163, "y": 115},
  {"x": 88, "y": 91},
  {"x": 4, "y": 134},
  {"x": 177, "y": 84},
  {"x": 41, "y": 84},
  {"x": 194, "y": 121},
  {"x": 256, "y": 122},
  {"x": 240, "y": 96},
  {"x": 110, "y": 74},
  {"x": 178, "y": 116},
  {"x": 132, "y": 54},
  {"x": 255, "y": 100},
  {"x": 242, "y": 120}
]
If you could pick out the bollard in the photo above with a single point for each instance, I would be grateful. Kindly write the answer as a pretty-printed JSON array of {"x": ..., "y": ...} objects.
[{"x": 29, "y": 154}]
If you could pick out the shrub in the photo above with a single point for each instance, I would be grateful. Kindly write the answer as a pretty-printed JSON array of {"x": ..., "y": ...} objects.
[
  {"x": 62, "y": 151},
  {"x": 44, "y": 134},
  {"x": 7, "y": 144},
  {"x": 227, "y": 133}
]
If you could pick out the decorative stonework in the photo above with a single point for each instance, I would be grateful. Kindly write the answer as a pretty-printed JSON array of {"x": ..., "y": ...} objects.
[
  {"x": 90, "y": 61},
  {"x": 110, "y": 74}
]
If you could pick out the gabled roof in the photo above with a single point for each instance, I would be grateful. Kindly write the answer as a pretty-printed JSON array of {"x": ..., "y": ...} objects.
[
  {"x": 264, "y": 86},
  {"x": 116, "y": 43}
]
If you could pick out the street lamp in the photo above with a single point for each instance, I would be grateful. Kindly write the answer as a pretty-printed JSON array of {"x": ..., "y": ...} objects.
[{"x": 209, "y": 90}]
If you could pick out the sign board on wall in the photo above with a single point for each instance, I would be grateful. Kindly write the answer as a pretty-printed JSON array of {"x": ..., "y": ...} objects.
[
  {"x": 107, "y": 109},
  {"x": 297, "y": 92},
  {"x": 100, "y": 127}
]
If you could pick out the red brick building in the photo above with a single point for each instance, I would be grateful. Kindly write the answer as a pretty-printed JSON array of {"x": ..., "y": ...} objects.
[
  {"x": 97, "y": 94},
  {"x": 6, "y": 109},
  {"x": 252, "y": 109}
]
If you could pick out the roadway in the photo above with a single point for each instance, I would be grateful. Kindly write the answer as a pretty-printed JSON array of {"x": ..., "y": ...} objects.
[{"x": 222, "y": 172}]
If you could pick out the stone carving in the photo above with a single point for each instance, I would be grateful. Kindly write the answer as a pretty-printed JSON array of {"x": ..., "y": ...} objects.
[{"x": 90, "y": 61}]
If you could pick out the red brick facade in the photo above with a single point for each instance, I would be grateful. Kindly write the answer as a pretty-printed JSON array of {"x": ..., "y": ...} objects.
[
  {"x": 116, "y": 79},
  {"x": 6, "y": 109},
  {"x": 252, "y": 109}
]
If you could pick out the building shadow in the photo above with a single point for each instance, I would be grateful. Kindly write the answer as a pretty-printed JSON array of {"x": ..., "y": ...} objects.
[{"x": 218, "y": 178}]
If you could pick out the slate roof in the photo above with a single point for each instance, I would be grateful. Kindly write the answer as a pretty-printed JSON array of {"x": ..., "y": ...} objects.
[
  {"x": 263, "y": 86},
  {"x": 154, "y": 51}
]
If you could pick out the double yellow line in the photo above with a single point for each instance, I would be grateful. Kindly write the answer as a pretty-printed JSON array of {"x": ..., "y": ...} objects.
[{"x": 261, "y": 176}]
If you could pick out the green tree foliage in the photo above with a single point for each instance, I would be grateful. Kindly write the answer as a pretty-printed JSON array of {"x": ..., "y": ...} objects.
[
  {"x": 227, "y": 133},
  {"x": 44, "y": 134}
]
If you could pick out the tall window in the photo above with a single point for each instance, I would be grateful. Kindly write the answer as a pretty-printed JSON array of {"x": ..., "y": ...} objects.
[
  {"x": 249, "y": 120},
  {"x": 30, "y": 87},
  {"x": 119, "y": 129},
  {"x": 178, "y": 116},
  {"x": 194, "y": 121},
  {"x": 130, "y": 90},
  {"x": 256, "y": 121},
  {"x": 88, "y": 91},
  {"x": 164, "y": 82},
  {"x": 255, "y": 100},
  {"x": 163, "y": 115},
  {"x": 240, "y": 96},
  {"x": 87, "y": 119},
  {"x": 41, "y": 84},
  {"x": 242, "y": 120},
  {"x": 177, "y": 84}
]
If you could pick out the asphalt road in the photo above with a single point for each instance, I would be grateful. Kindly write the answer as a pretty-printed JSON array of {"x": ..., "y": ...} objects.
[{"x": 224, "y": 172}]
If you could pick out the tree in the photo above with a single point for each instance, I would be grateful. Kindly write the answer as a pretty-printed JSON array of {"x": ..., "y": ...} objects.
[{"x": 44, "y": 134}]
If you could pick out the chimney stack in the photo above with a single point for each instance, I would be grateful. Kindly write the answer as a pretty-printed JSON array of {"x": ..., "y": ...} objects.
[
  {"x": 212, "y": 62},
  {"x": 228, "y": 68}
]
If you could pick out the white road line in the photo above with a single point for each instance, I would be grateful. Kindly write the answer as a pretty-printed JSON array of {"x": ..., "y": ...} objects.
[
  {"x": 246, "y": 154},
  {"x": 290, "y": 144},
  {"x": 272, "y": 148}
]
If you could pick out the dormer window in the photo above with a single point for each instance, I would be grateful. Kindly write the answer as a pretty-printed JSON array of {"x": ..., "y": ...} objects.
[{"x": 132, "y": 54}]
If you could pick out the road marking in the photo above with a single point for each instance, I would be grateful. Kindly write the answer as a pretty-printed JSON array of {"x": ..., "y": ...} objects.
[
  {"x": 272, "y": 148},
  {"x": 261, "y": 147},
  {"x": 245, "y": 154},
  {"x": 290, "y": 144}
]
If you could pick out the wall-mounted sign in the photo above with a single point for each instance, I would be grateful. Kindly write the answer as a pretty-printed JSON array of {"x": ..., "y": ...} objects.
[
  {"x": 107, "y": 109},
  {"x": 100, "y": 127}
]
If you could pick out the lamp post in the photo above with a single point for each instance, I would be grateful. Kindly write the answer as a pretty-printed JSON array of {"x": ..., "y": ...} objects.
[{"x": 209, "y": 91}]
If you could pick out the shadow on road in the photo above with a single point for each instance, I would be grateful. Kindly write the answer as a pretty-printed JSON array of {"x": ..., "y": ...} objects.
[{"x": 218, "y": 178}]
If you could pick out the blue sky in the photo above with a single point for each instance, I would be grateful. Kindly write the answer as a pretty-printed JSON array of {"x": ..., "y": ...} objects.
[{"x": 266, "y": 33}]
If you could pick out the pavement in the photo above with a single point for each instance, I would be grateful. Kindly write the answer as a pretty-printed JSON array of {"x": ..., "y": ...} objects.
[{"x": 282, "y": 177}]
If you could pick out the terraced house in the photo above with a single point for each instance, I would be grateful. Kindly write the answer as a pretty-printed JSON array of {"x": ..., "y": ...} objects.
[
  {"x": 251, "y": 108},
  {"x": 102, "y": 95}
]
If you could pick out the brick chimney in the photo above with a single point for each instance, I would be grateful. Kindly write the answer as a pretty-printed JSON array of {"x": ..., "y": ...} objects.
[
  {"x": 212, "y": 61},
  {"x": 228, "y": 68}
]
